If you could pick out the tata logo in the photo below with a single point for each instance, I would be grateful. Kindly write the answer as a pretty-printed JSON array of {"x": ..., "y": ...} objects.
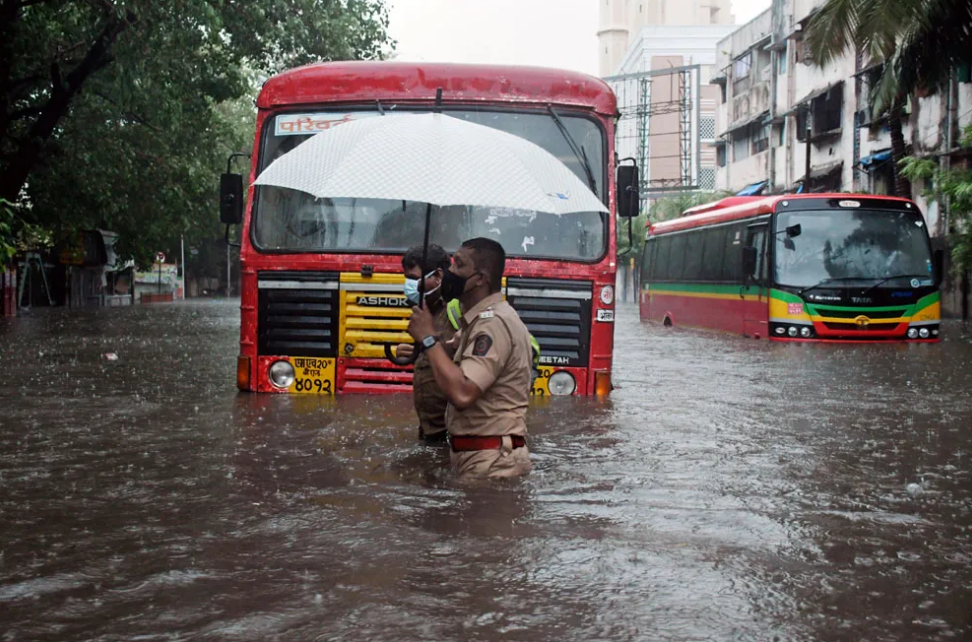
[
  {"x": 862, "y": 322},
  {"x": 373, "y": 301},
  {"x": 861, "y": 299}
]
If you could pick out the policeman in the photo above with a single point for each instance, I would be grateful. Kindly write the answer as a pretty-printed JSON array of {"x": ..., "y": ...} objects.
[
  {"x": 430, "y": 403},
  {"x": 487, "y": 382}
]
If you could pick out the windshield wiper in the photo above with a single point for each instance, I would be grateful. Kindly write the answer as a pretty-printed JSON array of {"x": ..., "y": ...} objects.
[
  {"x": 834, "y": 280},
  {"x": 579, "y": 152},
  {"x": 891, "y": 278}
]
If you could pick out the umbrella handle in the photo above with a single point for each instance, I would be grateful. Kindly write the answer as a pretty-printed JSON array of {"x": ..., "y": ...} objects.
[{"x": 403, "y": 361}]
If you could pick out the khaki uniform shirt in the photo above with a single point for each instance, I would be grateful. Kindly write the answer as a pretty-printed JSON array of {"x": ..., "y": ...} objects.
[
  {"x": 494, "y": 353},
  {"x": 429, "y": 400}
]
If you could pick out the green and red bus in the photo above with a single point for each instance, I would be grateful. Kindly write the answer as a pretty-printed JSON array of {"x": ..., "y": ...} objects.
[
  {"x": 809, "y": 267},
  {"x": 321, "y": 292}
]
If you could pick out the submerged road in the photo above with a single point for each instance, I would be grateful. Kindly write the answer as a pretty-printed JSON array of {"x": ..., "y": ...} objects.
[{"x": 729, "y": 489}]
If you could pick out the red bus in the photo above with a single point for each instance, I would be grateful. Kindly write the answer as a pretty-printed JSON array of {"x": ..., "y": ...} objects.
[
  {"x": 321, "y": 278},
  {"x": 809, "y": 267}
]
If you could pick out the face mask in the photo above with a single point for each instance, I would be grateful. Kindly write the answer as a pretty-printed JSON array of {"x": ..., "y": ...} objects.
[
  {"x": 412, "y": 289},
  {"x": 453, "y": 285}
]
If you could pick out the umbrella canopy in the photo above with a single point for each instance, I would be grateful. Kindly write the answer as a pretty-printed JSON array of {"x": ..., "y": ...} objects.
[{"x": 434, "y": 159}]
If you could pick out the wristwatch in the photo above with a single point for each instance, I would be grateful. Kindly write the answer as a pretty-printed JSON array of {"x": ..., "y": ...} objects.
[{"x": 430, "y": 341}]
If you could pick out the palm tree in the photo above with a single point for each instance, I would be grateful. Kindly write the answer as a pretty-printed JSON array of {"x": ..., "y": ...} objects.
[{"x": 918, "y": 44}]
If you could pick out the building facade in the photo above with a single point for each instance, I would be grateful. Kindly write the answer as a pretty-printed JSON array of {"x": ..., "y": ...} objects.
[
  {"x": 658, "y": 56},
  {"x": 788, "y": 125}
]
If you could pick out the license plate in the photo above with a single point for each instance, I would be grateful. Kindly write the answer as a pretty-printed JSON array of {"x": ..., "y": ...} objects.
[
  {"x": 313, "y": 376},
  {"x": 540, "y": 386}
]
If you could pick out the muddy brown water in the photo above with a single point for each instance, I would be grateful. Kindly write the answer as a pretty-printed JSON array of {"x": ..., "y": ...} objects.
[{"x": 729, "y": 489}]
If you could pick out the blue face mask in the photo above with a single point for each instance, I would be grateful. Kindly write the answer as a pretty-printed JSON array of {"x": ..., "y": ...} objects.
[{"x": 412, "y": 289}]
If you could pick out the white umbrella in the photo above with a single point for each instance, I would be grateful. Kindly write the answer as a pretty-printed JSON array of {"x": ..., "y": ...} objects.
[{"x": 434, "y": 159}]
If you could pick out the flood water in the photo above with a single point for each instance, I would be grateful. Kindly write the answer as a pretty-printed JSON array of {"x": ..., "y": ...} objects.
[{"x": 729, "y": 489}]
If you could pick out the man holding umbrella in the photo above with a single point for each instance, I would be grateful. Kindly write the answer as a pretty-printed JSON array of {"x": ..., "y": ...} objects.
[{"x": 487, "y": 383}]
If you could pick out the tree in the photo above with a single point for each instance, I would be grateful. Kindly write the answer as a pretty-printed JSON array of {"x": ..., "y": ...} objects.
[
  {"x": 916, "y": 42},
  {"x": 120, "y": 113},
  {"x": 955, "y": 187},
  {"x": 662, "y": 209}
]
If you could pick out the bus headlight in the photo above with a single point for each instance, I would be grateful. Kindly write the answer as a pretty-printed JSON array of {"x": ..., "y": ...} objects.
[
  {"x": 924, "y": 333},
  {"x": 805, "y": 332},
  {"x": 281, "y": 374},
  {"x": 792, "y": 331},
  {"x": 607, "y": 295},
  {"x": 912, "y": 333},
  {"x": 561, "y": 384}
]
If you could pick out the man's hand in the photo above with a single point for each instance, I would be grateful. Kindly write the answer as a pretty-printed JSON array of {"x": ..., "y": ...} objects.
[
  {"x": 421, "y": 324},
  {"x": 404, "y": 350}
]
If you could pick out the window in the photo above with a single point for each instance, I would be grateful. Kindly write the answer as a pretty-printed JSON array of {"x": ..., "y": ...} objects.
[
  {"x": 693, "y": 256},
  {"x": 827, "y": 110},
  {"x": 756, "y": 238},
  {"x": 712, "y": 253},
  {"x": 781, "y": 60},
  {"x": 660, "y": 265},
  {"x": 732, "y": 261},
  {"x": 760, "y": 138},
  {"x": 824, "y": 113},
  {"x": 646, "y": 258},
  {"x": 740, "y": 144},
  {"x": 721, "y": 155},
  {"x": 741, "y": 66},
  {"x": 707, "y": 177},
  {"x": 707, "y": 127},
  {"x": 676, "y": 257}
]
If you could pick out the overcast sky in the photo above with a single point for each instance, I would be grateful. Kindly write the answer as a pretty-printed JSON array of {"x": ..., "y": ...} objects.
[{"x": 549, "y": 33}]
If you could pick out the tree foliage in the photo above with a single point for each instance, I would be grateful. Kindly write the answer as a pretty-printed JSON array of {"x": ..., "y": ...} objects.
[
  {"x": 662, "y": 209},
  {"x": 919, "y": 42},
  {"x": 916, "y": 43},
  {"x": 953, "y": 186},
  {"x": 120, "y": 114}
]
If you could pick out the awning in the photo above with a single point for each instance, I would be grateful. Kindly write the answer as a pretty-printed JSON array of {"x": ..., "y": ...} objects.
[
  {"x": 753, "y": 189},
  {"x": 813, "y": 94},
  {"x": 822, "y": 170},
  {"x": 877, "y": 157},
  {"x": 745, "y": 123}
]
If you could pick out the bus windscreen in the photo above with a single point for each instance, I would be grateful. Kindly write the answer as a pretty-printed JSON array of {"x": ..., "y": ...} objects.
[
  {"x": 855, "y": 248},
  {"x": 292, "y": 221}
]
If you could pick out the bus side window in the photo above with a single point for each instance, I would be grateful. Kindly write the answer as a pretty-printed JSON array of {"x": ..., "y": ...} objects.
[
  {"x": 693, "y": 256},
  {"x": 660, "y": 265},
  {"x": 646, "y": 258},
  {"x": 757, "y": 238},
  {"x": 713, "y": 253},
  {"x": 732, "y": 263},
  {"x": 676, "y": 257}
]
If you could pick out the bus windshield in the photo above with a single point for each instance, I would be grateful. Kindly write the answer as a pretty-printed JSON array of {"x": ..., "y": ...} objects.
[
  {"x": 847, "y": 246},
  {"x": 293, "y": 221}
]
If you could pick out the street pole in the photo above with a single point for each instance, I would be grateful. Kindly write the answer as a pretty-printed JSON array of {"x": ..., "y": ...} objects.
[
  {"x": 228, "y": 270},
  {"x": 806, "y": 176},
  {"x": 160, "y": 275},
  {"x": 182, "y": 259}
]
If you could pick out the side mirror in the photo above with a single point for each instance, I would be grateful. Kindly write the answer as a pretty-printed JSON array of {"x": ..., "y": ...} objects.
[
  {"x": 627, "y": 191},
  {"x": 231, "y": 199},
  {"x": 794, "y": 231},
  {"x": 938, "y": 264},
  {"x": 749, "y": 260}
]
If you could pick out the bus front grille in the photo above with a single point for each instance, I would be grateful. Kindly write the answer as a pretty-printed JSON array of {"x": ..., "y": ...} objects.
[
  {"x": 297, "y": 313},
  {"x": 838, "y": 313},
  {"x": 558, "y": 315}
]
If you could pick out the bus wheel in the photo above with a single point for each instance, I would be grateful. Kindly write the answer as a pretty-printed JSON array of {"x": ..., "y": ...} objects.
[{"x": 667, "y": 322}]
